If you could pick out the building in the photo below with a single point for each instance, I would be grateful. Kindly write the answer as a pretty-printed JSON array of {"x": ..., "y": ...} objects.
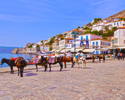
[
  {"x": 85, "y": 40},
  {"x": 55, "y": 45},
  {"x": 44, "y": 48},
  {"x": 67, "y": 42},
  {"x": 119, "y": 37},
  {"x": 100, "y": 45}
]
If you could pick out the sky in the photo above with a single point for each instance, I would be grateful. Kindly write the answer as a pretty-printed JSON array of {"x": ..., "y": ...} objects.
[{"x": 30, "y": 21}]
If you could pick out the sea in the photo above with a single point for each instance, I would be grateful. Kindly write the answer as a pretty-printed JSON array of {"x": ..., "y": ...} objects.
[{"x": 8, "y": 55}]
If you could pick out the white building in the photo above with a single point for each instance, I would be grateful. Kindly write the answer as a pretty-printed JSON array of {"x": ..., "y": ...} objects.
[
  {"x": 100, "y": 45},
  {"x": 119, "y": 37},
  {"x": 44, "y": 48}
]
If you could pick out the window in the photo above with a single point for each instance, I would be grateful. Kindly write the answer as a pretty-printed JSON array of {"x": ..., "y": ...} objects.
[
  {"x": 93, "y": 52},
  {"x": 81, "y": 37},
  {"x": 114, "y": 24},
  {"x": 120, "y": 22},
  {"x": 93, "y": 48},
  {"x": 97, "y": 52},
  {"x": 101, "y": 43},
  {"x": 96, "y": 47},
  {"x": 96, "y": 43},
  {"x": 117, "y": 23},
  {"x": 93, "y": 43},
  {"x": 86, "y": 37}
]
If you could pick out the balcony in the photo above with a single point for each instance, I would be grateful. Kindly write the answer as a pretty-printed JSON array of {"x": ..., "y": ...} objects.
[
  {"x": 85, "y": 46},
  {"x": 85, "y": 40}
]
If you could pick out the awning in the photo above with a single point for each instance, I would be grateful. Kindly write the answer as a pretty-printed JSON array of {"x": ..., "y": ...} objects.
[
  {"x": 102, "y": 49},
  {"x": 120, "y": 47},
  {"x": 88, "y": 50}
]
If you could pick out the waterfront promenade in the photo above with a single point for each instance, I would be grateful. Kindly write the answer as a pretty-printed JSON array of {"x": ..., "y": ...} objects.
[{"x": 98, "y": 81}]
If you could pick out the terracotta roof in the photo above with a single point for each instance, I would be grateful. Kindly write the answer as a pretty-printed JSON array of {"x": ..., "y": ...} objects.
[
  {"x": 101, "y": 39},
  {"x": 122, "y": 27},
  {"x": 90, "y": 33},
  {"x": 69, "y": 38},
  {"x": 69, "y": 43},
  {"x": 77, "y": 30}
]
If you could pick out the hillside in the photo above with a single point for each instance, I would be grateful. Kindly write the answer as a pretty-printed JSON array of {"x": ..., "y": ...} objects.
[
  {"x": 120, "y": 14},
  {"x": 6, "y": 49}
]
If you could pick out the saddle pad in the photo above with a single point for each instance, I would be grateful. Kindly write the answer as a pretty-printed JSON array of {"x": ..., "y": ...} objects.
[
  {"x": 68, "y": 58},
  {"x": 77, "y": 57},
  {"x": 36, "y": 60},
  {"x": 51, "y": 60}
]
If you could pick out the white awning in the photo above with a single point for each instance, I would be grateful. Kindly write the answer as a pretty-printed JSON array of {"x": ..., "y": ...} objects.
[
  {"x": 88, "y": 50},
  {"x": 120, "y": 47},
  {"x": 102, "y": 49}
]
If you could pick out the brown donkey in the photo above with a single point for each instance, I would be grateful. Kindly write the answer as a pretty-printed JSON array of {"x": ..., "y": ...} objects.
[{"x": 20, "y": 64}]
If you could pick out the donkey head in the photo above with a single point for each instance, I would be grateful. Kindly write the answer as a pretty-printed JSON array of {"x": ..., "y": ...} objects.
[{"x": 2, "y": 61}]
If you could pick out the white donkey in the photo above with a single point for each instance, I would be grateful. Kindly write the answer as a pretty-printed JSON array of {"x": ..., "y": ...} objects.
[{"x": 80, "y": 59}]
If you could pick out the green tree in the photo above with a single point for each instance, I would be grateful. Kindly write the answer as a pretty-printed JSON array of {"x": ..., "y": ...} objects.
[
  {"x": 114, "y": 28},
  {"x": 41, "y": 41},
  {"x": 37, "y": 45},
  {"x": 60, "y": 35},
  {"x": 86, "y": 28},
  {"x": 30, "y": 46},
  {"x": 50, "y": 48},
  {"x": 96, "y": 32},
  {"x": 89, "y": 24},
  {"x": 78, "y": 26},
  {"x": 104, "y": 38},
  {"x": 96, "y": 20},
  {"x": 106, "y": 27}
]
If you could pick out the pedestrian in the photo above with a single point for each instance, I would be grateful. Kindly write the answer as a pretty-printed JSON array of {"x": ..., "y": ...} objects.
[
  {"x": 118, "y": 56},
  {"x": 123, "y": 56},
  {"x": 99, "y": 58},
  {"x": 103, "y": 58}
]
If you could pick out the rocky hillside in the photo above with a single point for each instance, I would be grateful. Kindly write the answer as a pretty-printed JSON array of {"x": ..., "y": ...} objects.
[{"x": 120, "y": 14}]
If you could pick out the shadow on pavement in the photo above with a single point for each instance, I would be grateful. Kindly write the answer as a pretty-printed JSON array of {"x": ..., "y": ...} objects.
[{"x": 31, "y": 74}]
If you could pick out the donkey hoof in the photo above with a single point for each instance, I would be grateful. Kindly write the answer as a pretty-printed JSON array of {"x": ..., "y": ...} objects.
[{"x": 21, "y": 76}]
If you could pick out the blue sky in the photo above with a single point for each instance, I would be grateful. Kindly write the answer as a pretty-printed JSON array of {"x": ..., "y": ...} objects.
[{"x": 29, "y": 21}]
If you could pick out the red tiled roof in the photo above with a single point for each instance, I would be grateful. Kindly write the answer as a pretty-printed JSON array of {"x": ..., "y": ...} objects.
[
  {"x": 69, "y": 38},
  {"x": 100, "y": 39},
  {"x": 90, "y": 33}
]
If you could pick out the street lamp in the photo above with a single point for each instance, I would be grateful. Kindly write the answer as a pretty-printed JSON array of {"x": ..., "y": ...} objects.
[
  {"x": 74, "y": 34},
  {"x": 112, "y": 46}
]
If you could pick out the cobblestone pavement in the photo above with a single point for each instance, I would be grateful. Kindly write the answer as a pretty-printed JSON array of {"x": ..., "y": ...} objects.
[{"x": 98, "y": 81}]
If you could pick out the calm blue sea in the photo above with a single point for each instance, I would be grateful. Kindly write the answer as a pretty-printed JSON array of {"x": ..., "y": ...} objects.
[{"x": 8, "y": 55}]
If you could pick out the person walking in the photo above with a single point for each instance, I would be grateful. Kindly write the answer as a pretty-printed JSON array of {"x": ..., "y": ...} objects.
[
  {"x": 103, "y": 58},
  {"x": 123, "y": 56},
  {"x": 118, "y": 56},
  {"x": 99, "y": 58}
]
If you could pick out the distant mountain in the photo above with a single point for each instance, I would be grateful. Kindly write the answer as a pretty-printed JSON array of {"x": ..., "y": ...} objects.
[{"x": 7, "y": 49}]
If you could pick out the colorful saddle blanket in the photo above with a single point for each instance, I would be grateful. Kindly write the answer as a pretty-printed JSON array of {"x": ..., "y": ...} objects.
[
  {"x": 35, "y": 61},
  {"x": 51, "y": 60}
]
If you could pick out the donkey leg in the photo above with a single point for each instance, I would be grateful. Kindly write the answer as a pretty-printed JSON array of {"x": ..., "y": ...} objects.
[
  {"x": 18, "y": 72},
  {"x": 21, "y": 72},
  {"x": 45, "y": 67},
  {"x": 36, "y": 68},
  {"x": 72, "y": 64},
  {"x": 65, "y": 64},
  {"x": 61, "y": 66},
  {"x": 11, "y": 68},
  {"x": 50, "y": 67}
]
